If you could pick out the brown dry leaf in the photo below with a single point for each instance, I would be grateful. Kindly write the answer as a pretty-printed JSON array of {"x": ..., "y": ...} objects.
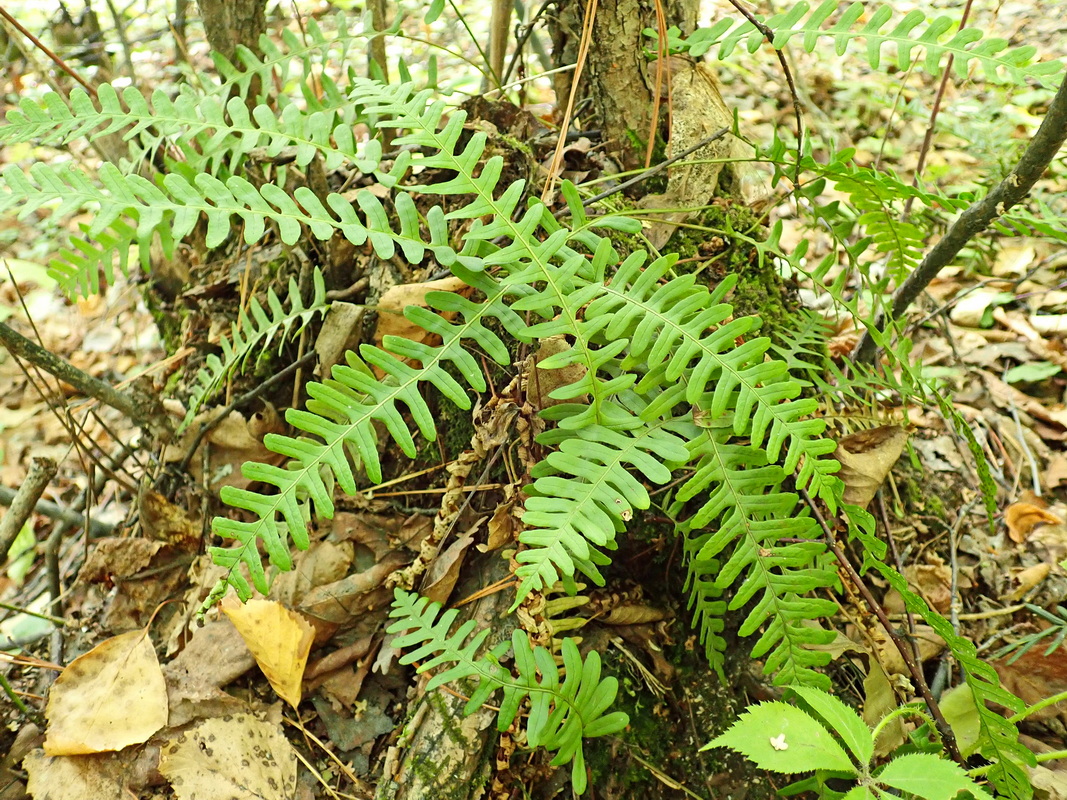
[
  {"x": 109, "y": 698},
  {"x": 1027, "y": 513},
  {"x": 443, "y": 572},
  {"x": 233, "y": 441},
  {"x": 866, "y": 459},
  {"x": 341, "y": 331},
  {"x": 235, "y": 756},
  {"x": 166, "y": 522},
  {"x": 503, "y": 525},
  {"x": 563, "y": 370},
  {"x": 342, "y": 601},
  {"x": 215, "y": 656},
  {"x": 634, "y": 614},
  {"x": 1034, "y": 676},
  {"x": 1050, "y": 783},
  {"x": 86, "y": 777},
  {"x": 933, "y": 582},
  {"x": 279, "y": 640},
  {"x": 321, "y": 563},
  {"x": 930, "y": 646},
  {"x": 1055, "y": 472},
  {"x": 1027, "y": 579},
  {"x": 879, "y": 698},
  {"x": 391, "y": 305}
]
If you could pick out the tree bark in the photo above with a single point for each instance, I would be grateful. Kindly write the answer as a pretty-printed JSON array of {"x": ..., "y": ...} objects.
[
  {"x": 617, "y": 84},
  {"x": 229, "y": 23}
]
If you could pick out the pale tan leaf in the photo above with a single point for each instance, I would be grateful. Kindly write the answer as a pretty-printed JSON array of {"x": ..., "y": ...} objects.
[
  {"x": 236, "y": 757},
  {"x": 866, "y": 459},
  {"x": 279, "y": 640},
  {"x": 85, "y": 777},
  {"x": 109, "y": 698}
]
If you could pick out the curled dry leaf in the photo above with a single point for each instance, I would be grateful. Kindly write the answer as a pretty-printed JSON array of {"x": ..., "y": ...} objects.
[
  {"x": 1026, "y": 514},
  {"x": 109, "y": 698},
  {"x": 279, "y": 640},
  {"x": 866, "y": 459},
  {"x": 233, "y": 756}
]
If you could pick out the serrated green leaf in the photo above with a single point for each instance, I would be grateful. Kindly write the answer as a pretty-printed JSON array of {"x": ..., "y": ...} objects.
[
  {"x": 841, "y": 719},
  {"x": 930, "y": 777}
]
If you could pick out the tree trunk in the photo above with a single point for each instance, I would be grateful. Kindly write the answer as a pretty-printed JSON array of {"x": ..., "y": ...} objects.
[
  {"x": 229, "y": 23},
  {"x": 617, "y": 84}
]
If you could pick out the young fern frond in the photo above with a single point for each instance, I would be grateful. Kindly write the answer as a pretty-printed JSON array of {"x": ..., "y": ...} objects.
[
  {"x": 560, "y": 715},
  {"x": 253, "y": 333},
  {"x": 1000, "y": 62}
]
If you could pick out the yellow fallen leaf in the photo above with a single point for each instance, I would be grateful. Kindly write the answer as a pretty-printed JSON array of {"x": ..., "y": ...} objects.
[
  {"x": 279, "y": 640},
  {"x": 109, "y": 698}
]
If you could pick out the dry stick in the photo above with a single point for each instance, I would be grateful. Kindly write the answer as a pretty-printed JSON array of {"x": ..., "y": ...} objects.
[
  {"x": 645, "y": 174},
  {"x": 47, "y": 508},
  {"x": 137, "y": 408},
  {"x": 59, "y": 62},
  {"x": 1041, "y": 150},
  {"x": 948, "y": 738},
  {"x": 768, "y": 34},
  {"x": 42, "y": 470}
]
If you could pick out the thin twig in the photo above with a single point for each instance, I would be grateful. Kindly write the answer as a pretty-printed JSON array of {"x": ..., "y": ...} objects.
[
  {"x": 49, "y": 509},
  {"x": 138, "y": 408},
  {"x": 975, "y": 219},
  {"x": 59, "y": 62},
  {"x": 42, "y": 470},
  {"x": 645, "y": 174},
  {"x": 768, "y": 34},
  {"x": 948, "y": 738},
  {"x": 928, "y": 137}
]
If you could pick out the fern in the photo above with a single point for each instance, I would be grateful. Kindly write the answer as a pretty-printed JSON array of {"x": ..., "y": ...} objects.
[
  {"x": 998, "y": 736},
  {"x": 253, "y": 333},
  {"x": 999, "y": 61},
  {"x": 560, "y": 715}
]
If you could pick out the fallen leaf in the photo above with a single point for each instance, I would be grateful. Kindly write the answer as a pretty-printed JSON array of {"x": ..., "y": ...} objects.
[
  {"x": 443, "y": 572},
  {"x": 1027, "y": 579},
  {"x": 391, "y": 305},
  {"x": 1023, "y": 516},
  {"x": 341, "y": 331},
  {"x": 235, "y": 756},
  {"x": 563, "y": 366},
  {"x": 866, "y": 459},
  {"x": 100, "y": 775},
  {"x": 1033, "y": 676},
  {"x": 279, "y": 640},
  {"x": 109, "y": 698}
]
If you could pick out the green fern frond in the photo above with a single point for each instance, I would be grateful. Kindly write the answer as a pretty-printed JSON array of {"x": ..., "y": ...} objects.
[
  {"x": 584, "y": 494},
  {"x": 561, "y": 715},
  {"x": 746, "y": 509},
  {"x": 342, "y": 412},
  {"x": 999, "y": 61},
  {"x": 253, "y": 333}
]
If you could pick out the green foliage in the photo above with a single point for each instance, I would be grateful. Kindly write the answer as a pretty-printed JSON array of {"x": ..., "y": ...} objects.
[
  {"x": 830, "y": 738},
  {"x": 253, "y": 333},
  {"x": 1000, "y": 62},
  {"x": 560, "y": 714},
  {"x": 671, "y": 384}
]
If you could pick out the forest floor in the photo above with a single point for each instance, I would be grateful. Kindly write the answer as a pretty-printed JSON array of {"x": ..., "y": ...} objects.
[{"x": 993, "y": 331}]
